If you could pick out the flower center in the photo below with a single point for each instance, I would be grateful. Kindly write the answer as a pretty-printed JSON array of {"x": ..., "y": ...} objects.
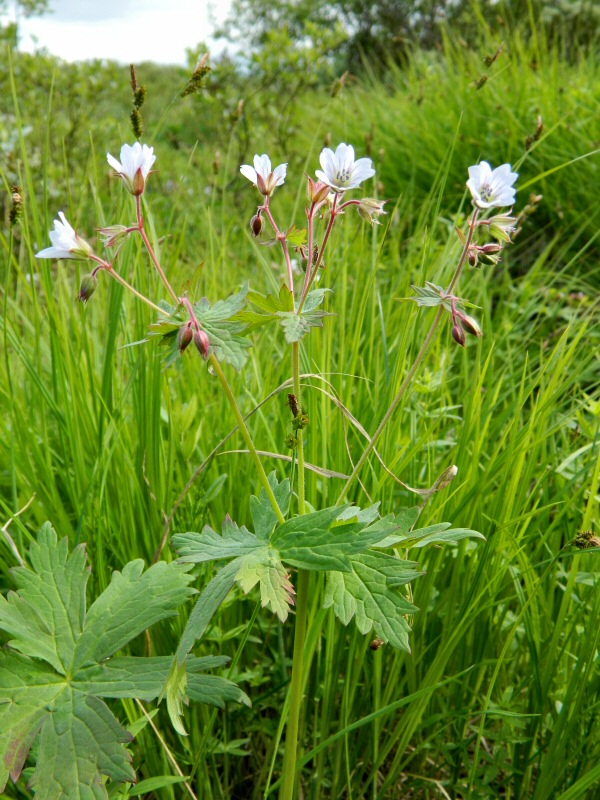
[
  {"x": 342, "y": 176},
  {"x": 485, "y": 192}
]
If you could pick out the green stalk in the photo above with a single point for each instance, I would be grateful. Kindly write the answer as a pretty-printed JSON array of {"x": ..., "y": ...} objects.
[
  {"x": 291, "y": 734},
  {"x": 413, "y": 370},
  {"x": 214, "y": 362}
]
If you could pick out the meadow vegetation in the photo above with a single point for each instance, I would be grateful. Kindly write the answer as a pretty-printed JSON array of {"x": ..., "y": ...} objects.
[{"x": 500, "y": 697}]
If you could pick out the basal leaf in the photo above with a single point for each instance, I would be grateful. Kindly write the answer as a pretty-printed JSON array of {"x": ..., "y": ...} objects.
[
  {"x": 133, "y": 601},
  {"x": 265, "y": 568},
  {"x": 369, "y": 595},
  {"x": 53, "y": 591},
  {"x": 50, "y": 691},
  {"x": 80, "y": 740}
]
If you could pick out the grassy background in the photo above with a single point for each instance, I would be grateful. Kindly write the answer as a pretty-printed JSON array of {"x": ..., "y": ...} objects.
[{"x": 500, "y": 697}]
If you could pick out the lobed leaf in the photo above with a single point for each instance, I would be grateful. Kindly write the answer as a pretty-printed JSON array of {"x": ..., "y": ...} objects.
[
  {"x": 369, "y": 595},
  {"x": 52, "y": 681},
  {"x": 212, "y": 546}
]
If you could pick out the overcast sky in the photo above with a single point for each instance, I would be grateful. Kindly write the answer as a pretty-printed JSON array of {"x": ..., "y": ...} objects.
[{"x": 125, "y": 30}]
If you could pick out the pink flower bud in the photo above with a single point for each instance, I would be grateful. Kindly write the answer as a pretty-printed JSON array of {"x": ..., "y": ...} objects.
[
  {"x": 202, "y": 343},
  {"x": 471, "y": 325},
  {"x": 317, "y": 191},
  {"x": 473, "y": 258},
  {"x": 185, "y": 336},
  {"x": 257, "y": 224},
  {"x": 490, "y": 249},
  {"x": 459, "y": 335}
]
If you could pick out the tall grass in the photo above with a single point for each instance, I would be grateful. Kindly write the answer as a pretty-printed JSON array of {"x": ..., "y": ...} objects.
[{"x": 500, "y": 696}]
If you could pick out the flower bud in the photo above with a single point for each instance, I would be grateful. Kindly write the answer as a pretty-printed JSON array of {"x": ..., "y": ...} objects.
[
  {"x": 185, "y": 336},
  {"x": 458, "y": 335},
  {"x": 317, "y": 191},
  {"x": 202, "y": 343},
  {"x": 471, "y": 325},
  {"x": 87, "y": 288},
  {"x": 473, "y": 257},
  {"x": 490, "y": 249},
  {"x": 256, "y": 224}
]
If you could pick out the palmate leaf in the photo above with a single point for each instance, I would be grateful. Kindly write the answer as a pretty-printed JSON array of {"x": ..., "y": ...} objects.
[
  {"x": 363, "y": 583},
  {"x": 55, "y": 670},
  {"x": 224, "y": 329},
  {"x": 369, "y": 594}
]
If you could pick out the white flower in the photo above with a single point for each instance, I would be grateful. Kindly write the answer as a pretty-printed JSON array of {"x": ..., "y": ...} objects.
[
  {"x": 263, "y": 176},
  {"x": 65, "y": 242},
  {"x": 492, "y": 188},
  {"x": 135, "y": 165},
  {"x": 341, "y": 171}
]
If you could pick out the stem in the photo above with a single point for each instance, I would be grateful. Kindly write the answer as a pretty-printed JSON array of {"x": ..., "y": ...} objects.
[
  {"x": 299, "y": 432},
  {"x": 291, "y": 735},
  {"x": 214, "y": 362},
  {"x": 413, "y": 370},
  {"x": 282, "y": 240},
  {"x": 311, "y": 271},
  {"x": 132, "y": 289},
  {"x": 150, "y": 250}
]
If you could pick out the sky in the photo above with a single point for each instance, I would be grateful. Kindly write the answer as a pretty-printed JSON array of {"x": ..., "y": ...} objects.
[{"x": 129, "y": 31}]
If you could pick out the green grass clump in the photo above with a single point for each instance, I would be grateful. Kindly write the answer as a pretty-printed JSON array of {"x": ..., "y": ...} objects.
[{"x": 499, "y": 697}]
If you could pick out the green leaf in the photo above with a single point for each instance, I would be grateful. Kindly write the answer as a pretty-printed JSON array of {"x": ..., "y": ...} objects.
[
  {"x": 206, "y": 607},
  {"x": 54, "y": 671},
  {"x": 429, "y": 295},
  {"x": 265, "y": 568},
  {"x": 441, "y": 533},
  {"x": 314, "y": 299},
  {"x": 185, "y": 681},
  {"x": 262, "y": 511},
  {"x": 296, "y": 236},
  {"x": 369, "y": 595},
  {"x": 212, "y": 546},
  {"x": 223, "y": 329},
  {"x": 270, "y": 304},
  {"x": 313, "y": 541},
  {"x": 296, "y": 326},
  {"x": 151, "y": 784}
]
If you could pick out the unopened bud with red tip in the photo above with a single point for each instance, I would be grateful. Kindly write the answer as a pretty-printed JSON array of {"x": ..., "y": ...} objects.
[
  {"x": 185, "y": 336},
  {"x": 317, "y": 191},
  {"x": 87, "y": 288},
  {"x": 473, "y": 257},
  {"x": 202, "y": 343},
  {"x": 471, "y": 325},
  {"x": 490, "y": 249},
  {"x": 257, "y": 224},
  {"x": 458, "y": 335}
]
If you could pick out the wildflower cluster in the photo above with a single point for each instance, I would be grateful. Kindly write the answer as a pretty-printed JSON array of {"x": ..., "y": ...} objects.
[{"x": 348, "y": 544}]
